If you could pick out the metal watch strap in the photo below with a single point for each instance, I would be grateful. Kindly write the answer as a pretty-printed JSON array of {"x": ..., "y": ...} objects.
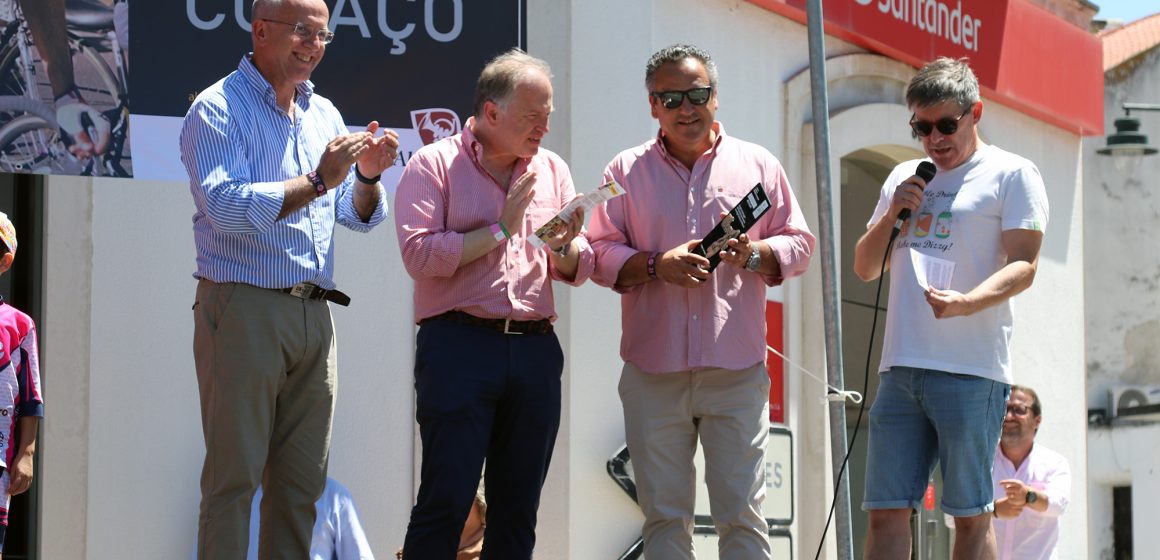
[{"x": 754, "y": 261}]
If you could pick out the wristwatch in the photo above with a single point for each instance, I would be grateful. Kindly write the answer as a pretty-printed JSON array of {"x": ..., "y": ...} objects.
[
  {"x": 754, "y": 261},
  {"x": 1032, "y": 497}
]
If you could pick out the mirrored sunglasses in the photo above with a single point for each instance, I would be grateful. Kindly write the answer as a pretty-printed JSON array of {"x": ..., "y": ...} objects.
[
  {"x": 947, "y": 126},
  {"x": 673, "y": 99}
]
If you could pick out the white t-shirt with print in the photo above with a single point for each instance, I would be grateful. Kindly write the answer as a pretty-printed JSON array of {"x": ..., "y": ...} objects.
[{"x": 963, "y": 213}]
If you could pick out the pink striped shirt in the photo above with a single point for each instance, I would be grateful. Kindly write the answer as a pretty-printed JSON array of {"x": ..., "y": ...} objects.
[
  {"x": 444, "y": 193},
  {"x": 667, "y": 328}
]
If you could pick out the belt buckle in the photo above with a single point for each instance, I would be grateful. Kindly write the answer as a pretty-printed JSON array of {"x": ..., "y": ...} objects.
[
  {"x": 507, "y": 327},
  {"x": 302, "y": 290}
]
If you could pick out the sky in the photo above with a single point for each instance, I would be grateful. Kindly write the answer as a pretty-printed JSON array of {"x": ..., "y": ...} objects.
[{"x": 1126, "y": 10}]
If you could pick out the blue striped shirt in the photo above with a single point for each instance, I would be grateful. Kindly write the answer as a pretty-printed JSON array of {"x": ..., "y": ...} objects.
[{"x": 238, "y": 148}]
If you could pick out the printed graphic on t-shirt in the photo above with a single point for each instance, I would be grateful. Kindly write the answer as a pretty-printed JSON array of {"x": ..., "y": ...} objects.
[
  {"x": 922, "y": 224},
  {"x": 933, "y": 224}
]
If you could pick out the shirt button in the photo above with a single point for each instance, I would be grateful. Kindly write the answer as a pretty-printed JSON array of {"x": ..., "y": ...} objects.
[{"x": 694, "y": 316}]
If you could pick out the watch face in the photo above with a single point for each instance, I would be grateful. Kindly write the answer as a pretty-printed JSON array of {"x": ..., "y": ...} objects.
[
  {"x": 1032, "y": 496},
  {"x": 754, "y": 261}
]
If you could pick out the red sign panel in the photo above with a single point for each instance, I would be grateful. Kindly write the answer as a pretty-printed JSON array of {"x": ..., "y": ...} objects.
[
  {"x": 926, "y": 29},
  {"x": 775, "y": 365},
  {"x": 1014, "y": 47}
]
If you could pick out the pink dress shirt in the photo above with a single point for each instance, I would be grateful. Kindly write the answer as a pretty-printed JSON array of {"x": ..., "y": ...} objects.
[
  {"x": 1033, "y": 535},
  {"x": 668, "y": 328},
  {"x": 445, "y": 192}
]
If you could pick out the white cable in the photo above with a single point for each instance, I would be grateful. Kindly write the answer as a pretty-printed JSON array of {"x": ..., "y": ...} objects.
[{"x": 834, "y": 394}]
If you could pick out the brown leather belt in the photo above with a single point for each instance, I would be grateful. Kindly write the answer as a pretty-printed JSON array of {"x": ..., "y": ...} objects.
[
  {"x": 306, "y": 290},
  {"x": 506, "y": 326}
]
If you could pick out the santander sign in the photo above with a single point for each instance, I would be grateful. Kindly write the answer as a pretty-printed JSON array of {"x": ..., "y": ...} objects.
[{"x": 933, "y": 17}]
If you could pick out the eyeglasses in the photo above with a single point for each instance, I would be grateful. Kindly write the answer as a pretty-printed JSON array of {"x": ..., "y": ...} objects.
[
  {"x": 673, "y": 99},
  {"x": 1018, "y": 409},
  {"x": 324, "y": 36},
  {"x": 947, "y": 126}
]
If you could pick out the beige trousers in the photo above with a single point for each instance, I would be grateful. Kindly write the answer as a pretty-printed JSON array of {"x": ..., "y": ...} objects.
[
  {"x": 266, "y": 370},
  {"x": 664, "y": 416}
]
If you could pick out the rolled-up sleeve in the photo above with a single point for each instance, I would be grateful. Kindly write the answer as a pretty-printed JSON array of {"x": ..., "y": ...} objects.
[
  {"x": 587, "y": 260},
  {"x": 584, "y": 266},
  {"x": 610, "y": 246},
  {"x": 348, "y": 215},
  {"x": 1058, "y": 489},
  {"x": 428, "y": 248},
  {"x": 213, "y": 152},
  {"x": 785, "y": 230}
]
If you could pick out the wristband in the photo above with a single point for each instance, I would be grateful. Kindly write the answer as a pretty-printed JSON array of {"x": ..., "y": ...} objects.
[
  {"x": 364, "y": 179},
  {"x": 651, "y": 265},
  {"x": 497, "y": 232},
  {"x": 506, "y": 234},
  {"x": 316, "y": 181}
]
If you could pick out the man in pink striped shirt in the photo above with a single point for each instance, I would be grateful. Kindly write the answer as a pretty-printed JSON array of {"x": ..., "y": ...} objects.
[
  {"x": 487, "y": 364},
  {"x": 693, "y": 341}
]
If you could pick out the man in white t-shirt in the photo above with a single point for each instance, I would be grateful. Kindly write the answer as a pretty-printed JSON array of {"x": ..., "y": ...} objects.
[{"x": 946, "y": 370}]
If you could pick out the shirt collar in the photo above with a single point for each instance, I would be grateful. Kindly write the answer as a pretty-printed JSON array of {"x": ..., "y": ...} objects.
[
  {"x": 717, "y": 128},
  {"x": 475, "y": 148},
  {"x": 470, "y": 141},
  {"x": 256, "y": 80}
]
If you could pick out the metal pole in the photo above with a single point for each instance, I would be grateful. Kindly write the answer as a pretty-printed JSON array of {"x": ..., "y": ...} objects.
[{"x": 830, "y": 278}]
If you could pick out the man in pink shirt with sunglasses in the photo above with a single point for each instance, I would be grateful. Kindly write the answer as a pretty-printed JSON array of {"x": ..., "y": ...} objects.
[{"x": 694, "y": 341}]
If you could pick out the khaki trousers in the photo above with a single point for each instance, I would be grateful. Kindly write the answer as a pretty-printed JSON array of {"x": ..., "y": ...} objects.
[
  {"x": 664, "y": 416},
  {"x": 266, "y": 371}
]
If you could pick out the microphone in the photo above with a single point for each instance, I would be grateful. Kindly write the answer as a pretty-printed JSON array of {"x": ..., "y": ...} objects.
[{"x": 926, "y": 170}]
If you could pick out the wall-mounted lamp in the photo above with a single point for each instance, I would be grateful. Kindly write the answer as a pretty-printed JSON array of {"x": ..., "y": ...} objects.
[{"x": 1128, "y": 140}]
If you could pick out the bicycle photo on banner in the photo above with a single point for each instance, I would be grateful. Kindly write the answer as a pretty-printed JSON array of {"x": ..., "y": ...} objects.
[{"x": 64, "y": 97}]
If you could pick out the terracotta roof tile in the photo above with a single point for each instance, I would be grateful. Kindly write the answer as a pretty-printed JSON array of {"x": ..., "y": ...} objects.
[{"x": 1127, "y": 41}]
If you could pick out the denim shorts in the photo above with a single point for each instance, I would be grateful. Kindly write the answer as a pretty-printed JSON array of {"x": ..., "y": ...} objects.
[{"x": 921, "y": 416}]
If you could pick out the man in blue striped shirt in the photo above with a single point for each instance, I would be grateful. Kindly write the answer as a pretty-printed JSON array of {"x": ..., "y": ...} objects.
[{"x": 272, "y": 168}]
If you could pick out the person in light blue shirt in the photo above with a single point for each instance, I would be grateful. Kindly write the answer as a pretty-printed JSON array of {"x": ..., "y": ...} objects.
[
  {"x": 272, "y": 169},
  {"x": 338, "y": 533}
]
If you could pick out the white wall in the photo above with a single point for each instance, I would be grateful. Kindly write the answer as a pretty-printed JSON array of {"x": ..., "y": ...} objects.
[
  {"x": 1122, "y": 301},
  {"x": 1122, "y": 202},
  {"x": 125, "y": 333}
]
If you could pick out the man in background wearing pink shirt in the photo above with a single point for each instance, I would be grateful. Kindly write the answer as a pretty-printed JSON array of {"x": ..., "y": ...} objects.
[
  {"x": 694, "y": 342},
  {"x": 487, "y": 363},
  {"x": 1032, "y": 484}
]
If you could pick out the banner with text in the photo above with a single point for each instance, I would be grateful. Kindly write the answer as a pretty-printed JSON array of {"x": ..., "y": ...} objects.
[{"x": 409, "y": 64}]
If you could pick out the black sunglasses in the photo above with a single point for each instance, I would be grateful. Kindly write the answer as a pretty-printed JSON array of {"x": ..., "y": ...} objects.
[
  {"x": 947, "y": 126},
  {"x": 673, "y": 99}
]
